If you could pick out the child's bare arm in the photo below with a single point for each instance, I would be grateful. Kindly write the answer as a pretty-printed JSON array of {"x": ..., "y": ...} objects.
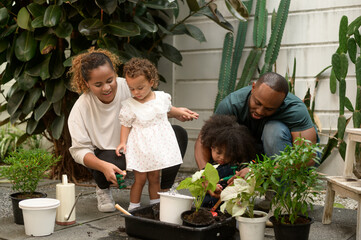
[{"x": 124, "y": 133}]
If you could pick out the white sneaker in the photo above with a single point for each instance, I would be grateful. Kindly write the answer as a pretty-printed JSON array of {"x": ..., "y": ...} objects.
[{"x": 105, "y": 200}]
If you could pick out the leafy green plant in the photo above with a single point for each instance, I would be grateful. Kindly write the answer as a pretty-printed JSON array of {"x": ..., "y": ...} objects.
[
  {"x": 9, "y": 136},
  {"x": 200, "y": 183},
  {"x": 39, "y": 38},
  {"x": 291, "y": 179},
  {"x": 26, "y": 168},
  {"x": 239, "y": 198}
]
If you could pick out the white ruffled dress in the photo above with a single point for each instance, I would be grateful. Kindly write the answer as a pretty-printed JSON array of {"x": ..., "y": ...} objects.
[{"x": 152, "y": 144}]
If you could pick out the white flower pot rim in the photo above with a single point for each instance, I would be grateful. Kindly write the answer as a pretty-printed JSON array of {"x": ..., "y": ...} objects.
[
  {"x": 264, "y": 217},
  {"x": 174, "y": 195}
]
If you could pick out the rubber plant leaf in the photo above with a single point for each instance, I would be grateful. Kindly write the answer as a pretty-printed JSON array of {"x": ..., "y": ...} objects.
[
  {"x": 212, "y": 13},
  {"x": 31, "y": 126},
  {"x": 25, "y": 46},
  {"x": 122, "y": 29},
  {"x": 23, "y": 19},
  {"x": 57, "y": 68},
  {"x": 146, "y": 24},
  {"x": 238, "y": 9},
  {"x": 38, "y": 22},
  {"x": 57, "y": 108},
  {"x": 108, "y": 6},
  {"x": 36, "y": 10},
  {"x": 31, "y": 99},
  {"x": 193, "y": 5},
  {"x": 171, "y": 53},
  {"x": 41, "y": 110},
  {"x": 90, "y": 26},
  {"x": 195, "y": 33},
  {"x": 54, "y": 90},
  {"x": 63, "y": 30},
  {"x": 15, "y": 101},
  {"x": 4, "y": 43},
  {"x": 57, "y": 126},
  {"x": 52, "y": 16},
  {"x": 47, "y": 44},
  {"x": 26, "y": 82},
  {"x": 160, "y": 4},
  {"x": 4, "y": 16}
]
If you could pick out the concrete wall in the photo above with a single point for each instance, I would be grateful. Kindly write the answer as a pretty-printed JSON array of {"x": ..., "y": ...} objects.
[{"x": 310, "y": 36}]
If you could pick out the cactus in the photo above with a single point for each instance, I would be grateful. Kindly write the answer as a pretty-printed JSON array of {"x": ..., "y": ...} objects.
[
  {"x": 276, "y": 36},
  {"x": 349, "y": 42},
  {"x": 225, "y": 72}
]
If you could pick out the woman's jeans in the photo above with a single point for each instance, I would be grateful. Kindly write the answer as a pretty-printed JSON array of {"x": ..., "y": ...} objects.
[{"x": 168, "y": 174}]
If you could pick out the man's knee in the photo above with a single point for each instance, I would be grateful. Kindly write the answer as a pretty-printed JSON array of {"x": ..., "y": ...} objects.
[{"x": 275, "y": 137}]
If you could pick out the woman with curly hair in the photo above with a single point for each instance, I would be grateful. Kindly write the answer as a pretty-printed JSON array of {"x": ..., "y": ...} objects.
[
  {"x": 231, "y": 145},
  {"x": 93, "y": 121}
]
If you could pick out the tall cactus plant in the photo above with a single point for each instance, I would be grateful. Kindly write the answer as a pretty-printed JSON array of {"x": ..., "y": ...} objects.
[
  {"x": 349, "y": 46},
  {"x": 230, "y": 64}
]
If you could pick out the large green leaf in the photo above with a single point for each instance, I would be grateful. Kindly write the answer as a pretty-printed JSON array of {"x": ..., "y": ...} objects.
[
  {"x": 193, "y": 5},
  {"x": 109, "y": 43},
  {"x": 15, "y": 116},
  {"x": 26, "y": 81},
  {"x": 57, "y": 108},
  {"x": 57, "y": 126},
  {"x": 171, "y": 53},
  {"x": 4, "y": 43},
  {"x": 54, "y": 90},
  {"x": 238, "y": 9},
  {"x": 160, "y": 4},
  {"x": 195, "y": 32},
  {"x": 31, "y": 126},
  {"x": 23, "y": 19},
  {"x": 8, "y": 31},
  {"x": 108, "y": 6},
  {"x": 38, "y": 22},
  {"x": 15, "y": 101},
  {"x": 36, "y": 10},
  {"x": 57, "y": 68},
  {"x": 146, "y": 24},
  {"x": 122, "y": 29},
  {"x": 41, "y": 110},
  {"x": 63, "y": 30},
  {"x": 44, "y": 67},
  {"x": 4, "y": 16},
  {"x": 90, "y": 26},
  {"x": 30, "y": 100},
  {"x": 212, "y": 13},
  {"x": 47, "y": 44},
  {"x": 25, "y": 47},
  {"x": 52, "y": 16}
]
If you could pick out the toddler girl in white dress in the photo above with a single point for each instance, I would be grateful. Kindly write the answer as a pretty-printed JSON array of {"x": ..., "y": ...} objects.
[{"x": 147, "y": 138}]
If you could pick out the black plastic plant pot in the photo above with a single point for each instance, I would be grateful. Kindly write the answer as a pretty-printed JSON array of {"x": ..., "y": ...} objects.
[
  {"x": 17, "y": 212},
  {"x": 149, "y": 228},
  {"x": 291, "y": 231},
  {"x": 193, "y": 224}
]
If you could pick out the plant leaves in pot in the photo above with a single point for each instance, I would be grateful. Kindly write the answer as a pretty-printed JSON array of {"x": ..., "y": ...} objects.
[
  {"x": 295, "y": 182},
  {"x": 24, "y": 169},
  {"x": 239, "y": 200},
  {"x": 198, "y": 185}
]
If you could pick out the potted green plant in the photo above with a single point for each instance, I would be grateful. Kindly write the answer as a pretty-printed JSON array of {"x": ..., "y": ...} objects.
[
  {"x": 295, "y": 184},
  {"x": 239, "y": 200},
  {"x": 198, "y": 185},
  {"x": 24, "y": 170}
]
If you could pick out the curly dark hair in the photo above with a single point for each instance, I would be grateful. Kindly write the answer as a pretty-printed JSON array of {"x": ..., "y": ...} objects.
[
  {"x": 84, "y": 63},
  {"x": 136, "y": 67},
  {"x": 224, "y": 131}
]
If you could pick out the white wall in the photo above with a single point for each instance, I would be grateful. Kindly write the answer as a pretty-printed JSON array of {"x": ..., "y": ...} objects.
[{"x": 310, "y": 36}]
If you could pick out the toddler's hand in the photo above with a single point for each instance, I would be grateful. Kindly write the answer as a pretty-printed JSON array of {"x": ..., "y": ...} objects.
[{"x": 120, "y": 149}]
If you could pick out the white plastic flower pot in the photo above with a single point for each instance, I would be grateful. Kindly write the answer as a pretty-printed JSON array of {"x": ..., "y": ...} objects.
[
  {"x": 39, "y": 215},
  {"x": 252, "y": 228},
  {"x": 172, "y": 205}
]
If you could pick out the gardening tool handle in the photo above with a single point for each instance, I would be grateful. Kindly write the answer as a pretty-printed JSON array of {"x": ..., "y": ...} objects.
[
  {"x": 216, "y": 205},
  {"x": 117, "y": 206}
]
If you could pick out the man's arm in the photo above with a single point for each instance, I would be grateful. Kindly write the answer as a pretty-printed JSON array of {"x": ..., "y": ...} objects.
[
  {"x": 309, "y": 134},
  {"x": 201, "y": 153}
]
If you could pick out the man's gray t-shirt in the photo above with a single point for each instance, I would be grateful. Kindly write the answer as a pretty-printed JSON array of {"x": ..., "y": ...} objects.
[{"x": 293, "y": 112}]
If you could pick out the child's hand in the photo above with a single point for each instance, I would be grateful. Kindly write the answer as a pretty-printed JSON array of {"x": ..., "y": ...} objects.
[
  {"x": 217, "y": 192},
  {"x": 122, "y": 148},
  {"x": 242, "y": 173},
  {"x": 183, "y": 114}
]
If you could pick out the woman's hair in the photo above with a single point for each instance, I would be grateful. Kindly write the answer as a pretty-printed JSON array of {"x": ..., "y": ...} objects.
[
  {"x": 136, "y": 67},
  {"x": 84, "y": 63},
  {"x": 224, "y": 131}
]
